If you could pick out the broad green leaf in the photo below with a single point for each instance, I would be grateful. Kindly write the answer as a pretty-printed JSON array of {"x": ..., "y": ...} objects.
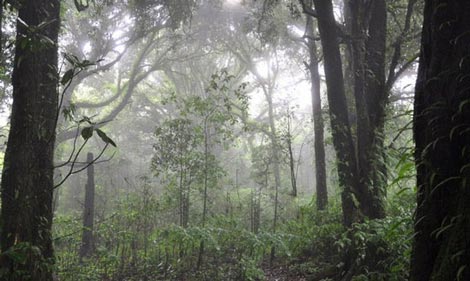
[
  {"x": 68, "y": 75},
  {"x": 105, "y": 138},
  {"x": 87, "y": 132}
]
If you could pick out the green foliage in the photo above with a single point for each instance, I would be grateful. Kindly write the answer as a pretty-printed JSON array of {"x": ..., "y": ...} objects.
[
  {"x": 383, "y": 247},
  {"x": 176, "y": 146},
  {"x": 316, "y": 232},
  {"x": 20, "y": 255},
  {"x": 135, "y": 243}
]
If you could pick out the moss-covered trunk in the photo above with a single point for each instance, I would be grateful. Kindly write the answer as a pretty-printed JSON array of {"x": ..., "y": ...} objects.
[
  {"x": 441, "y": 249},
  {"x": 27, "y": 180}
]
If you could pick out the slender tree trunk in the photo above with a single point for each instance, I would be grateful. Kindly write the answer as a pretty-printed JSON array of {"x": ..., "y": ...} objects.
[
  {"x": 318, "y": 123},
  {"x": 187, "y": 203},
  {"x": 206, "y": 177},
  {"x": 27, "y": 180},
  {"x": 276, "y": 167},
  {"x": 182, "y": 197},
  {"x": 256, "y": 192},
  {"x": 441, "y": 248},
  {"x": 257, "y": 215},
  {"x": 291, "y": 155},
  {"x": 87, "y": 247}
]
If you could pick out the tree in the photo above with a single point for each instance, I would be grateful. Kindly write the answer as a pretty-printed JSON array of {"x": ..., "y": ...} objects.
[
  {"x": 365, "y": 36},
  {"x": 441, "y": 248},
  {"x": 367, "y": 27},
  {"x": 176, "y": 154},
  {"x": 134, "y": 48},
  {"x": 318, "y": 123},
  {"x": 340, "y": 123},
  {"x": 27, "y": 180}
]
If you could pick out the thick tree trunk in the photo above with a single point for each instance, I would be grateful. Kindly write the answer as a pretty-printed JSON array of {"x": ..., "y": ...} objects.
[
  {"x": 318, "y": 124},
  {"x": 377, "y": 99},
  {"x": 441, "y": 249},
  {"x": 27, "y": 180},
  {"x": 342, "y": 137},
  {"x": 367, "y": 24},
  {"x": 87, "y": 246}
]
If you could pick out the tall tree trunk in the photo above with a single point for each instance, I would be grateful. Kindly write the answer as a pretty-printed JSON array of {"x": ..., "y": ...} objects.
[
  {"x": 318, "y": 124},
  {"x": 27, "y": 180},
  {"x": 377, "y": 99},
  {"x": 367, "y": 25},
  {"x": 441, "y": 249},
  {"x": 342, "y": 137},
  {"x": 205, "y": 185},
  {"x": 87, "y": 247},
  {"x": 268, "y": 91}
]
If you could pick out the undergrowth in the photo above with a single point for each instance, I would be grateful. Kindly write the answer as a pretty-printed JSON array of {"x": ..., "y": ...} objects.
[{"x": 312, "y": 245}]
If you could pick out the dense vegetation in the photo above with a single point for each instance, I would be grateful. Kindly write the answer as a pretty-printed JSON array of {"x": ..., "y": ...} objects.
[{"x": 234, "y": 140}]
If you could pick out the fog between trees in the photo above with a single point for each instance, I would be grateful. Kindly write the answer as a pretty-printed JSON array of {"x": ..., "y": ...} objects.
[{"x": 234, "y": 140}]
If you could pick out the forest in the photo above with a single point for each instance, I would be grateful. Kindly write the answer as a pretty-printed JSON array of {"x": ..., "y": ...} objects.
[{"x": 245, "y": 140}]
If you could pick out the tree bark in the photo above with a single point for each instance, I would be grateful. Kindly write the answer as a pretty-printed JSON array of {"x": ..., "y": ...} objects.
[
  {"x": 367, "y": 25},
  {"x": 377, "y": 99},
  {"x": 441, "y": 248},
  {"x": 318, "y": 123},
  {"x": 27, "y": 180},
  {"x": 360, "y": 164},
  {"x": 87, "y": 247},
  {"x": 342, "y": 137}
]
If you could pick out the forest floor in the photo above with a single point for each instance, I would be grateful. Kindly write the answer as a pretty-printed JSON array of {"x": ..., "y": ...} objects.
[{"x": 281, "y": 272}]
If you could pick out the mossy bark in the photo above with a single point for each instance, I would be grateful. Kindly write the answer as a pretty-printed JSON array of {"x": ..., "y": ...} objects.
[
  {"x": 441, "y": 249},
  {"x": 27, "y": 179}
]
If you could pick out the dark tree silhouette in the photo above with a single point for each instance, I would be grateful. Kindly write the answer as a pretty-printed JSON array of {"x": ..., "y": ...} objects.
[
  {"x": 340, "y": 123},
  {"x": 27, "y": 180},
  {"x": 441, "y": 249}
]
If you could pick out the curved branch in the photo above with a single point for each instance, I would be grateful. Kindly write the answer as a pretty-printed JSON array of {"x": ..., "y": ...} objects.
[{"x": 135, "y": 78}]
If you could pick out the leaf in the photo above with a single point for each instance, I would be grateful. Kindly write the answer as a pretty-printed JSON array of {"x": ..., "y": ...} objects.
[
  {"x": 105, "y": 138},
  {"x": 87, "y": 132},
  {"x": 462, "y": 105},
  {"x": 72, "y": 59},
  {"x": 460, "y": 272},
  {"x": 444, "y": 183},
  {"x": 17, "y": 256},
  {"x": 68, "y": 75}
]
